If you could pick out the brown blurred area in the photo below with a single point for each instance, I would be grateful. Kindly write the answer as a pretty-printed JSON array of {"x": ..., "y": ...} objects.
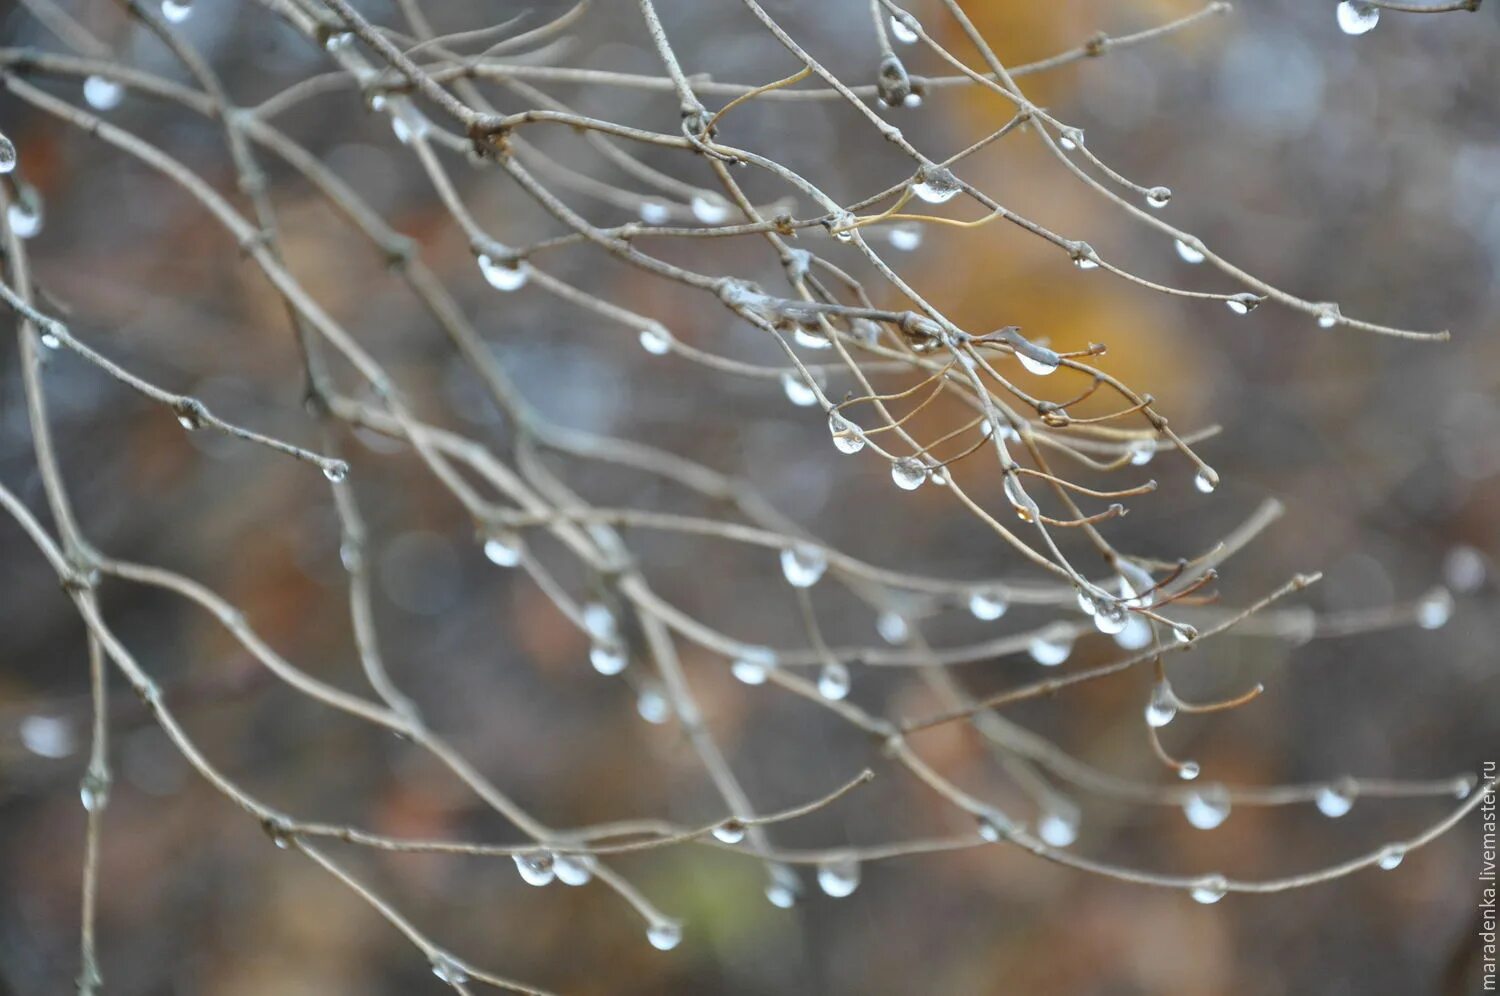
[{"x": 1359, "y": 170}]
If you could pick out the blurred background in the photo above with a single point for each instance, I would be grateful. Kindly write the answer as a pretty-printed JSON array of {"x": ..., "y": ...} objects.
[{"x": 1363, "y": 170}]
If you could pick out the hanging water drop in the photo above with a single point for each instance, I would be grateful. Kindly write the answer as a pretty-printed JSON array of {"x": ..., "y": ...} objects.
[
  {"x": 711, "y": 209},
  {"x": 608, "y": 658},
  {"x": 1136, "y": 635},
  {"x": 1328, "y": 316},
  {"x": 1464, "y": 568},
  {"x": 652, "y": 706},
  {"x": 656, "y": 340},
  {"x": 1189, "y": 770},
  {"x": 1206, "y": 480},
  {"x": 1159, "y": 197},
  {"x": 503, "y": 549},
  {"x": 1141, "y": 451},
  {"x": 730, "y": 832},
  {"x": 536, "y": 868},
  {"x": 176, "y": 11},
  {"x": 906, "y": 236},
  {"x": 444, "y": 966},
  {"x": 811, "y": 337},
  {"x": 1042, "y": 364},
  {"x": 892, "y": 627},
  {"x": 25, "y": 214},
  {"x": 1051, "y": 647},
  {"x": 336, "y": 471},
  {"x": 1334, "y": 801},
  {"x": 803, "y": 564},
  {"x": 1070, "y": 138},
  {"x": 7, "y": 154},
  {"x": 573, "y": 869},
  {"x": 1208, "y": 808},
  {"x": 1111, "y": 618},
  {"x": 833, "y": 681},
  {"x": 995, "y": 826},
  {"x": 798, "y": 391},
  {"x": 1058, "y": 826},
  {"x": 46, "y": 736},
  {"x": 783, "y": 888},
  {"x": 1025, "y": 506},
  {"x": 1435, "y": 609},
  {"x": 1084, "y": 256},
  {"x": 987, "y": 605},
  {"x": 1391, "y": 856},
  {"x": 909, "y": 473},
  {"x": 1355, "y": 17},
  {"x": 1242, "y": 304},
  {"x": 905, "y": 28},
  {"x": 936, "y": 185},
  {"x": 1209, "y": 889},
  {"x": 847, "y": 437},
  {"x": 50, "y": 341},
  {"x": 1161, "y": 707},
  {"x": 665, "y": 935},
  {"x": 503, "y": 276},
  {"x": 93, "y": 790},
  {"x": 599, "y": 621},
  {"x": 753, "y": 665},
  {"x": 102, "y": 93},
  {"x": 839, "y": 877},
  {"x": 1187, "y": 253}
]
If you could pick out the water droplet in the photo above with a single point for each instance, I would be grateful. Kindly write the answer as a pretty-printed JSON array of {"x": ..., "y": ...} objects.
[
  {"x": 102, "y": 93},
  {"x": 1242, "y": 304},
  {"x": 664, "y": 936},
  {"x": 336, "y": 471},
  {"x": 892, "y": 627},
  {"x": 25, "y": 214},
  {"x": 656, "y": 340},
  {"x": 608, "y": 658},
  {"x": 502, "y": 276},
  {"x": 599, "y": 621},
  {"x": 847, "y": 437},
  {"x": 912, "y": 100},
  {"x": 336, "y": 40},
  {"x": 1041, "y": 365},
  {"x": 909, "y": 473},
  {"x": 1058, "y": 827},
  {"x": 1161, "y": 707},
  {"x": 1189, "y": 770},
  {"x": 1356, "y": 18},
  {"x": 1435, "y": 609},
  {"x": 654, "y": 212},
  {"x": 784, "y": 887},
  {"x": 653, "y": 706},
  {"x": 1464, "y": 568},
  {"x": 839, "y": 877},
  {"x": 7, "y": 154},
  {"x": 1025, "y": 507},
  {"x": 503, "y": 549},
  {"x": 188, "y": 418},
  {"x": 936, "y": 185},
  {"x": 1328, "y": 316},
  {"x": 905, "y": 28},
  {"x": 833, "y": 681},
  {"x": 730, "y": 832},
  {"x": 1391, "y": 856},
  {"x": 1111, "y": 618},
  {"x": 1334, "y": 801},
  {"x": 803, "y": 565},
  {"x": 987, "y": 605},
  {"x": 1187, "y": 253},
  {"x": 93, "y": 791},
  {"x": 1206, "y": 480},
  {"x": 1050, "y": 648},
  {"x": 573, "y": 869},
  {"x": 1158, "y": 197},
  {"x": 1136, "y": 635},
  {"x": 407, "y": 122},
  {"x": 798, "y": 391},
  {"x": 1070, "y": 138},
  {"x": 46, "y": 736},
  {"x": 753, "y": 665},
  {"x": 711, "y": 209},
  {"x": 51, "y": 341},
  {"x": 536, "y": 868},
  {"x": 906, "y": 236},
  {"x": 810, "y": 337},
  {"x": 1209, "y": 889},
  {"x": 176, "y": 11},
  {"x": 1141, "y": 451},
  {"x": 1084, "y": 257},
  {"x": 446, "y": 968},
  {"x": 995, "y": 826},
  {"x": 1207, "y": 808}
]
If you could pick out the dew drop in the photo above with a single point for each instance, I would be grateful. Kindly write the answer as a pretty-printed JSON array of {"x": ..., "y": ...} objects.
[
  {"x": 102, "y": 93},
  {"x": 1334, "y": 801},
  {"x": 503, "y": 549},
  {"x": 1435, "y": 609},
  {"x": 25, "y": 214},
  {"x": 51, "y": 341},
  {"x": 1158, "y": 197},
  {"x": 783, "y": 888},
  {"x": 1209, "y": 889},
  {"x": 176, "y": 11},
  {"x": 909, "y": 473},
  {"x": 1040, "y": 365},
  {"x": 608, "y": 658},
  {"x": 833, "y": 681},
  {"x": 730, "y": 832},
  {"x": 995, "y": 826},
  {"x": 912, "y": 100},
  {"x": 46, "y": 736},
  {"x": 1051, "y": 648},
  {"x": 1070, "y": 139},
  {"x": 7, "y": 154},
  {"x": 599, "y": 621},
  {"x": 1141, "y": 451},
  {"x": 1161, "y": 707},
  {"x": 536, "y": 868},
  {"x": 1206, "y": 480},
  {"x": 803, "y": 565},
  {"x": 654, "y": 212},
  {"x": 1328, "y": 316},
  {"x": 1058, "y": 827},
  {"x": 798, "y": 391},
  {"x": 573, "y": 869},
  {"x": 1242, "y": 304},
  {"x": 1187, "y": 253},
  {"x": 1208, "y": 808},
  {"x": 753, "y": 665},
  {"x": 1111, "y": 618},
  {"x": 93, "y": 791},
  {"x": 1189, "y": 770},
  {"x": 810, "y": 337},
  {"x": 1136, "y": 635},
  {"x": 905, "y": 28},
  {"x": 1464, "y": 568},
  {"x": 847, "y": 437},
  {"x": 892, "y": 627},
  {"x": 444, "y": 966},
  {"x": 1391, "y": 856},
  {"x": 1084, "y": 257},
  {"x": 839, "y": 877},
  {"x": 664, "y": 936},
  {"x": 1355, "y": 17},
  {"x": 1025, "y": 506},
  {"x": 936, "y": 185},
  {"x": 710, "y": 209},
  {"x": 652, "y": 706},
  {"x": 656, "y": 340},
  {"x": 501, "y": 276},
  {"x": 336, "y": 471},
  {"x": 906, "y": 236},
  {"x": 987, "y": 605}
]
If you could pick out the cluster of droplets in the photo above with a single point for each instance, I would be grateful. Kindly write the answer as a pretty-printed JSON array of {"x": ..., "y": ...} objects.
[
  {"x": 541, "y": 868},
  {"x": 607, "y": 653}
]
